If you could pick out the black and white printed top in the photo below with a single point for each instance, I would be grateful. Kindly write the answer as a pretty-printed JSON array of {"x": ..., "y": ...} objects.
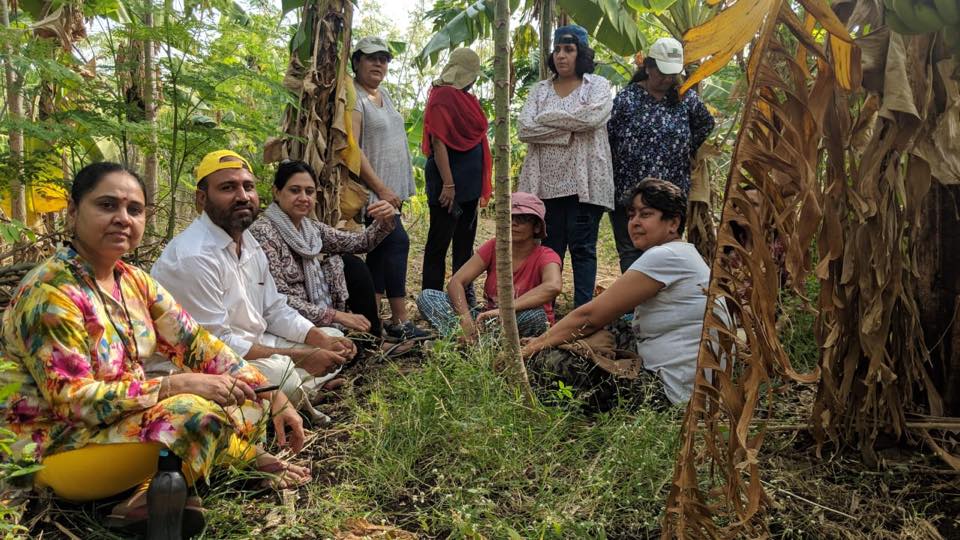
[{"x": 650, "y": 138}]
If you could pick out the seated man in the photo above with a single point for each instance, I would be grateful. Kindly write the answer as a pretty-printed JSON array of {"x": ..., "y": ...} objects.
[
  {"x": 536, "y": 279},
  {"x": 217, "y": 271}
]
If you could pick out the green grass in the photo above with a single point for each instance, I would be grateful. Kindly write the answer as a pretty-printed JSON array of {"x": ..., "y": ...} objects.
[
  {"x": 796, "y": 326},
  {"x": 450, "y": 451}
]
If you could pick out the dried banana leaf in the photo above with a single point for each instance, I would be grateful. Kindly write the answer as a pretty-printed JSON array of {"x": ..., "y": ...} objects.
[
  {"x": 773, "y": 196},
  {"x": 315, "y": 128}
]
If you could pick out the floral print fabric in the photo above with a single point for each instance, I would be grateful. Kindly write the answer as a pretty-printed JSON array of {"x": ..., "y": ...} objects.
[
  {"x": 78, "y": 353},
  {"x": 655, "y": 138},
  {"x": 567, "y": 148}
]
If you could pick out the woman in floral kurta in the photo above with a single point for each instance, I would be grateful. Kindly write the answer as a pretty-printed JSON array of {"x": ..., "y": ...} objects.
[
  {"x": 654, "y": 133},
  {"x": 78, "y": 329},
  {"x": 80, "y": 381}
]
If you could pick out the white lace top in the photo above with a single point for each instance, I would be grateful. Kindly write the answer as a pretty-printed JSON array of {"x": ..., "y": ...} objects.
[{"x": 568, "y": 152}]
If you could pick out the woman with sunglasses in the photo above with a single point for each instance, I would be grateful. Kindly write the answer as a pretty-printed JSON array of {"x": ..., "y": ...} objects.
[
  {"x": 386, "y": 169},
  {"x": 536, "y": 280}
]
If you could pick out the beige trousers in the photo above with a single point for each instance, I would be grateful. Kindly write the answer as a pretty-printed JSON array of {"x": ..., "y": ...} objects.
[{"x": 301, "y": 388}]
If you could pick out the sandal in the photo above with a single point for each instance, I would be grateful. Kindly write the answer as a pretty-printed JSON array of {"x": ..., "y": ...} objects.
[
  {"x": 133, "y": 520},
  {"x": 401, "y": 348}
]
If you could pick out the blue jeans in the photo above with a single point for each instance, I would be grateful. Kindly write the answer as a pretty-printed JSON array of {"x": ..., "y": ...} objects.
[
  {"x": 388, "y": 262},
  {"x": 575, "y": 225},
  {"x": 619, "y": 222},
  {"x": 435, "y": 307}
]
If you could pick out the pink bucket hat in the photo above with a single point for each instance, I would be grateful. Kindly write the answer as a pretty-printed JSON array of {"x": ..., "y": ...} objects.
[{"x": 528, "y": 204}]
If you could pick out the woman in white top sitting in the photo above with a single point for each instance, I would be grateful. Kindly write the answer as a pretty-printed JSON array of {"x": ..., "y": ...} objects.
[
  {"x": 665, "y": 288},
  {"x": 568, "y": 164}
]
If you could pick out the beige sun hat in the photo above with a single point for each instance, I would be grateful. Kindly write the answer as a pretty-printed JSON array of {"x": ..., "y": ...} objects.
[
  {"x": 461, "y": 70},
  {"x": 372, "y": 45}
]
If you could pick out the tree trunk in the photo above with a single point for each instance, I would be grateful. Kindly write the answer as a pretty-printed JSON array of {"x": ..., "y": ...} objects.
[
  {"x": 501, "y": 68},
  {"x": 938, "y": 289},
  {"x": 546, "y": 37},
  {"x": 150, "y": 110},
  {"x": 175, "y": 166},
  {"x": 15, "y": 112}
]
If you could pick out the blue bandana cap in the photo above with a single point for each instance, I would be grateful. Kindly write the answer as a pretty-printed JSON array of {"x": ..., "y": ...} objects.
[{"x": 569, "y": 33}]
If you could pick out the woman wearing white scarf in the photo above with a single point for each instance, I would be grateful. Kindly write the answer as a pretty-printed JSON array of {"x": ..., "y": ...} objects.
[{"x": 308, "y": 258}]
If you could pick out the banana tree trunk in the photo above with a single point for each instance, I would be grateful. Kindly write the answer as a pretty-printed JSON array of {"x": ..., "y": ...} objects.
[
  {"x": 546, "y": 31},
  {"x": 508, "y": 316},
  {"x": 150, "y": 111},
  {"x": 15, "y": 111},
  {"x": 315, "y": 129},
  {"x": 938, "y": 285}
]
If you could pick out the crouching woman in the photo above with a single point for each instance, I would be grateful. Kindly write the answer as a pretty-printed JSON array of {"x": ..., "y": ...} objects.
[
  {"x": 665, "y": 289},
  {"x": 536, "y": 279},
  {"x": 77, "y": 331}
]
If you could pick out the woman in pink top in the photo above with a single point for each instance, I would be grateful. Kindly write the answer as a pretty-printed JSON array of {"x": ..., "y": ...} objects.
[{"x": 536, "y": 279}]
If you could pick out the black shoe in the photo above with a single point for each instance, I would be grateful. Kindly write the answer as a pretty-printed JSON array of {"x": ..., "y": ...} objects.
[{"x": 403, "y": 332}]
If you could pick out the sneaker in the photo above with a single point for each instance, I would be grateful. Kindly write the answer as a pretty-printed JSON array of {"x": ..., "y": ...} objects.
[{"x": 404, "y": 331}]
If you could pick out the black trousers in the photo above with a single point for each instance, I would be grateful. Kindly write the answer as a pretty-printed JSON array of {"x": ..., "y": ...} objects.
[
  {"x": 363, "y": 297},
  {"x": 621, "y": 234},
  {"x": 446, "y": 229}
]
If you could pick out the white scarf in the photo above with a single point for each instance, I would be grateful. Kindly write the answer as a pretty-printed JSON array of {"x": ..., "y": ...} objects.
[{"x": 307, "y": 243}]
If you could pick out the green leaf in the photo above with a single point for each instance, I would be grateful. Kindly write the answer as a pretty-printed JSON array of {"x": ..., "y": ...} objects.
[
  {"x": 236, "y": 12},
  {"x": 8, "y": 390},
  {"x": 650, "y": 6},
  {"x": 461, "y": 30},
  {"x": 25, "y": 471},
  {"x": 203, "y": 120},
  {"x": 414, "y": 125},
  {"x": 524, "y": 38},
  {"x": 111, "y": 9},
  {"x": 36, "y": 8},
  {"x": 289, "y": 5},
  {"x": 608, "y": 22},
  {"x": 397, "y": 48},
  {"x": 7, "y": 232}
]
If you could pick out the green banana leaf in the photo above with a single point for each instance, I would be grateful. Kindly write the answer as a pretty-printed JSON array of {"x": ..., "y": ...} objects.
[
  {"x": 463, "y": 29},
  {"x": 608, "y": 21}
]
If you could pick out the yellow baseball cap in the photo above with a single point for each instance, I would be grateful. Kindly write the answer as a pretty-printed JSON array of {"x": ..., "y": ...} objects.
[{"x": 214, "y": 161}]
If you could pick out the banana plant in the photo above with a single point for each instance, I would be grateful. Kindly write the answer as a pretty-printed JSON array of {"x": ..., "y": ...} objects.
[
  {"x": 677, "y": 16},
  {"x": 611, "y": 22}
]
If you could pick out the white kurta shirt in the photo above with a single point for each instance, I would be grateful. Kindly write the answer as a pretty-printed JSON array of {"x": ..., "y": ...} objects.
[
  {"x": 234, "y": 298},
  {"x": 568, "y": 151}
]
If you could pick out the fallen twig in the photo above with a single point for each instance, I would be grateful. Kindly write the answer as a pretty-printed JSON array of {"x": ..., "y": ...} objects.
[{"x": 808, "y": 501}]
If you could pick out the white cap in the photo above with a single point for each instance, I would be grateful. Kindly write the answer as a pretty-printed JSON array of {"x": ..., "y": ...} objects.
[{"x": 668, "y": 53}]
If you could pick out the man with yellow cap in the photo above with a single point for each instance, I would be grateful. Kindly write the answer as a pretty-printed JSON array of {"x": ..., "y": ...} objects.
[{"x": 217, "y": 271}]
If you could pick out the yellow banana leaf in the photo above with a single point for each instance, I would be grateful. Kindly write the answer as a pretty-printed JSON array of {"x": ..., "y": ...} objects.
[
  {"x": 722, "y": 36},
  {"x": 725, "y": 35}
]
